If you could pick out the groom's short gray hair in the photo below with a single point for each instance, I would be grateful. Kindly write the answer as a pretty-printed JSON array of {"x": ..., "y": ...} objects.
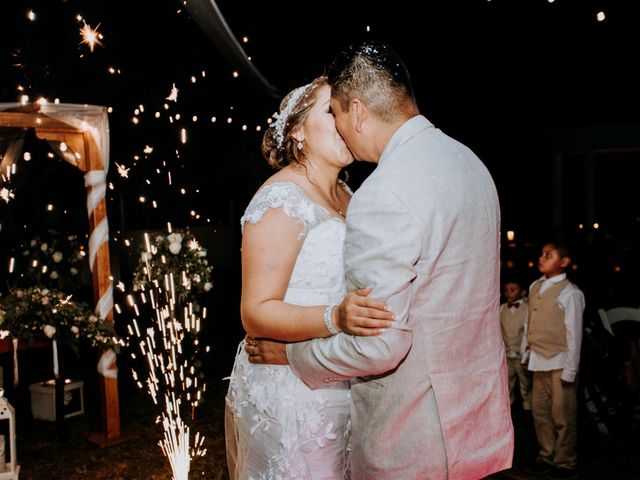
[{"x": 374, "y": 73}]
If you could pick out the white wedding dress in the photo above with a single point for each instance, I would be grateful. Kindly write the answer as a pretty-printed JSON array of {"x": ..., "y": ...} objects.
[{"x": 276, "y": 427}]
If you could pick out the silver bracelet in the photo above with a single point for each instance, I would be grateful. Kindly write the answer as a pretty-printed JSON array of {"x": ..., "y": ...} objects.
[{"x": 327, "y": 319}]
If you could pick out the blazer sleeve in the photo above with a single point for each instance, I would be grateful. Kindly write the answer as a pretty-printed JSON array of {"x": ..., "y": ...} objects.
[{"x": 383, "y": 245}]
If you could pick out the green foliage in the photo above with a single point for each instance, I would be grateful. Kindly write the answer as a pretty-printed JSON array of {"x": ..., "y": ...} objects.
[
  {"x": 178, "y": 254},
  {"x": 38, "y": 312},
  {"x": 50, "y": 260}
]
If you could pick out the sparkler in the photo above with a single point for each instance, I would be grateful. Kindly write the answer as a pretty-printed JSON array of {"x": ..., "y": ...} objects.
[
  {"x": 173, "y": 96},
  {"x": 122, "y": 170},
  {"x": 90, "y": 36},
  {"x": 163, "y": 347},
  {"x": 6, "y": 194}
]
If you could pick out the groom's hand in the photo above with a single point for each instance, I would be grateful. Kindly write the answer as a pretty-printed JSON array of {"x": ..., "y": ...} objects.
[{"x": 266, "y": 351}]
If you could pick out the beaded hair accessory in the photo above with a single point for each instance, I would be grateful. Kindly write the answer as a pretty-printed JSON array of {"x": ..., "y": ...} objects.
[{"x": 283, "y": 115}]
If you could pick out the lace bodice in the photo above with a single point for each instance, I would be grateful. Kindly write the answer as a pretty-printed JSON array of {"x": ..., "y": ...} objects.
[
  {"x": 276, "y": 427},
  {"x": 317, "y": 277}
]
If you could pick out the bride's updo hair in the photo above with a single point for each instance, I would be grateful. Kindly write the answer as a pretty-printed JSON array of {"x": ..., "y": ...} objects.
[{"x": 279, "y": 147}]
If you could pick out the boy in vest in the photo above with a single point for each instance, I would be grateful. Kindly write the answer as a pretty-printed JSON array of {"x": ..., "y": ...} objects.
[
  {"x": 513, "y": 314},
  {"x": 551, "y": 346}
]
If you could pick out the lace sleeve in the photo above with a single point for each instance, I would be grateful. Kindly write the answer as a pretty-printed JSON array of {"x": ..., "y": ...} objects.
[{"x": 286, "y": 195}]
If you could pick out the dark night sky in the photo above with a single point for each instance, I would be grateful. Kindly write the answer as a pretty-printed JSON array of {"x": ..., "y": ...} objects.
[
  {"x": 497, "y": 75},
  {"x": 479, "y": 67}
]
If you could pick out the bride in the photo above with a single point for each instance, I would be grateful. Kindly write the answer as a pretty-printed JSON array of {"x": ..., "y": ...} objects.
[{"x": 292, "y": 280}]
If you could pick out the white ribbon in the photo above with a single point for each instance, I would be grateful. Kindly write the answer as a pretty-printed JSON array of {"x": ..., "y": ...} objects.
[
  {"x": 98, "y": 236},
  {"x": 96, "y": 183},
  {"x": 15, "y": 362},
  {"x": 97, "y": 180},
  {"x": 105, "y": 303},
  {"x": 107, "y": 359}
]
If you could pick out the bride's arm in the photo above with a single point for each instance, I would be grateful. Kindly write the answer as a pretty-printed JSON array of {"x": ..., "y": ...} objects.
[{"x": 270, "y": 248}]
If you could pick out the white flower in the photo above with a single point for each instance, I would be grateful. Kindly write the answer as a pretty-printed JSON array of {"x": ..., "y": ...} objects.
[
  {"x": 73, "y": 271},
  {"x": 202, "y": 253},
  {"x": 174, "y": 247},
  {"x": 57, "y": 257},
  {"x": 44, "y": 247},
  {"x": 208, "y": 286},
  {"x": 174, "y": 237},
  {"x": 49, "y": 330},
  {"x": 44, "y": 291},
  {"x": 93, "y": 319},
  {"x": 158, "y": 238},
  {"x": 197, "y": 278},
  {"x": 33, "y": 242},
  {"x": 75, "y": 330},
  {"x": 53, "y": 275}
]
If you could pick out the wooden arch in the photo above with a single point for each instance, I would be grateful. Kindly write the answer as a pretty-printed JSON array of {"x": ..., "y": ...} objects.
[{"x": 87, "y": 157}]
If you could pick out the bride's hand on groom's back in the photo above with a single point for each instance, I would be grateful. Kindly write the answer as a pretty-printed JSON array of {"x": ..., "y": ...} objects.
[{"x": 360, "y": 315}]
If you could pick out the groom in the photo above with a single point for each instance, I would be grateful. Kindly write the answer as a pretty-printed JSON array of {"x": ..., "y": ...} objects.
[{"x": 429, "y": 396}]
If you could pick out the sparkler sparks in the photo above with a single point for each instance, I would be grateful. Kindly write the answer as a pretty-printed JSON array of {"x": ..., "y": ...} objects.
[
  {"x": 90, "y": 36},
  {"x": 122, "y": 170},
  {"x": 164, "y": 346},
  {"x": 173, "y": 96},
  {"x": 6, "y": 194}
]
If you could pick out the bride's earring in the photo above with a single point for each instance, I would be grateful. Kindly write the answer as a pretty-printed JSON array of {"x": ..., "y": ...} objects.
[{"x": 299, "y": 145}]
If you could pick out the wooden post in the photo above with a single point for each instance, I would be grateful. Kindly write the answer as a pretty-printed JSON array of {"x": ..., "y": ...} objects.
[{"x": 101, "y": 284}]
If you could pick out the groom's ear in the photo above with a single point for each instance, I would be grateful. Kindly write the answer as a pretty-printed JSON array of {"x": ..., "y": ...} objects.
[{"x": 360, "y": 114}]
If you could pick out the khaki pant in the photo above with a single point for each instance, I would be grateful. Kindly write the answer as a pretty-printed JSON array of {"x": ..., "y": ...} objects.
[
  {"x": 517, "y": 373},
  {"x": 554, "y": 410}
]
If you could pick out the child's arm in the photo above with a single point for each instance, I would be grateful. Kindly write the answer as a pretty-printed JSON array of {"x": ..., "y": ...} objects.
[{"x": 571, "y": 300}]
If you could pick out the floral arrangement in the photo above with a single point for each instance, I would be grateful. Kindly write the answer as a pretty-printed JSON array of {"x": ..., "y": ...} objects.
[
  {"x": 38, "y": 312},
  {"x": 51, "y": 259},
  {"x": 177, "y": 253}
]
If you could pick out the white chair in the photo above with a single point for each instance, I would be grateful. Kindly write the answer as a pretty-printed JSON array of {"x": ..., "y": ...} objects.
[{"x": 618, "y": 314}]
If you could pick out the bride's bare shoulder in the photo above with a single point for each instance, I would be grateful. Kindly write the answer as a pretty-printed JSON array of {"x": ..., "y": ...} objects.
[{"x": 286, "y": 175}]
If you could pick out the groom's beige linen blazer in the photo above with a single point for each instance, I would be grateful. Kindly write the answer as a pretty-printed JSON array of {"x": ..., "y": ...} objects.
[{"x": 429, "y": 396}]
